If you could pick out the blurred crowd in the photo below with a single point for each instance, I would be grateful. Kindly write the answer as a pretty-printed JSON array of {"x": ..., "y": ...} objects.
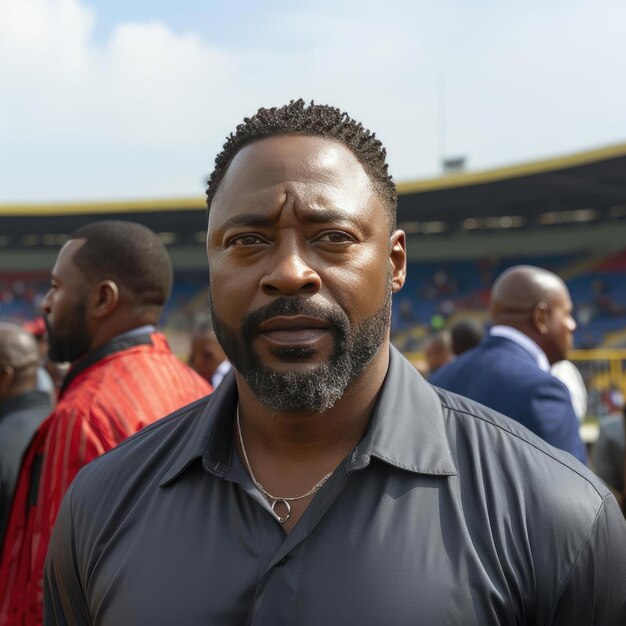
[{"x": 71, "y": 377}]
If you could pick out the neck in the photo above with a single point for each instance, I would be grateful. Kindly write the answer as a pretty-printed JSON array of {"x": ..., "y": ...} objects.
[
  {"x": 301, "y": 435},
  {"x": 107, "y": 333}
]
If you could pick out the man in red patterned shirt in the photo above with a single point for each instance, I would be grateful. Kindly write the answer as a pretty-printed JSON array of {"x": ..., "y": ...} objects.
[{"x": 108, "y": 288}]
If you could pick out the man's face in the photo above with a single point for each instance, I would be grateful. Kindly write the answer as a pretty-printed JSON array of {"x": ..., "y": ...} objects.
[
  {"x": 436, "y": 356},
  {"x": 559, "y": 338},
  {"x": 302, "y": 268},
  {"x": 206, "y": 354},
  {"x": 65, "y": 308}
]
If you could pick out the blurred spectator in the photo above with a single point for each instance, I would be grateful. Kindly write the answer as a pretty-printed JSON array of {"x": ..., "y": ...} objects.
[
  {"x": 437, "y": 322},
  {"x": 604, "y": 301},
  {"x": 206, "y": 356},
  {"x": 510, "y": 371},
  {"x": 447, "y": 307},
  {"x": 22, "y": 408},
  {"x": 109, "y": 285},
  {"x": 608, "y": 451},
  {"x": 438, "y": 350},
  {"x": 466, "y": 334},
  {"x": 45, "y": 382},
  {"x": 569, "y": 375},
  {"x": 613, "y": 400},
  {"x": 405, "y": 311}
]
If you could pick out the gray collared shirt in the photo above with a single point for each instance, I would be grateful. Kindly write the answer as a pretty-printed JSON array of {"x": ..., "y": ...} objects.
[{"x": 445, "y": 513}]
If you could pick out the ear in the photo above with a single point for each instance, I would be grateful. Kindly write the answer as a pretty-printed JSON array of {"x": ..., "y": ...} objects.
[
  {"x": 106, "y": 298},
  {"x": 541, "y": 318},
  {"x": 7, "y": 374},
  {"x": 397, "y": 258}
]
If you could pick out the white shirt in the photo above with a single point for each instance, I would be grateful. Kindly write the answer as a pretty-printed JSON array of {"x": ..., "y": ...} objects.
[
  {"x": 569, "y": 375},
  {"x": 218, "y": 375},
  {"x": 518, "y": 337}
]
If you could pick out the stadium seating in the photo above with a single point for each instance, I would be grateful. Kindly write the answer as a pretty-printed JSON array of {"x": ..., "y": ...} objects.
[{"x": 435, "y": 294}]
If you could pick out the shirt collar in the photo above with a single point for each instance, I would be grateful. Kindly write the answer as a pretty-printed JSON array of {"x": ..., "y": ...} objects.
[
  {"x": 518, "y": 337},
  {"x": 134, "y": 337},
  {"x": 147, "y": 329},
  {"x": 210, "y": 436},
  {"x": 407, "y": 429}
]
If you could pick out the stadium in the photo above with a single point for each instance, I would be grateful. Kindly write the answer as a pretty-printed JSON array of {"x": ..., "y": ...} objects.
[{"x": 567, "y": 214}]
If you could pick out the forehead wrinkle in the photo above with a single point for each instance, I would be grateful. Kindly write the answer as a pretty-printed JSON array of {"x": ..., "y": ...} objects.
[{"x": 316, "y": 211}]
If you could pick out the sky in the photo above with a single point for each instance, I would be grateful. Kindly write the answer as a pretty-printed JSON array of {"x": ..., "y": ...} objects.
[{"x": 133, "y": 99}]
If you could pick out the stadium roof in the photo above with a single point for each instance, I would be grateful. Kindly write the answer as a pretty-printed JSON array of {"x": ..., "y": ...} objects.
[
  {"x": 534, "y": 193},
  {"x": 573, "y": 192}
]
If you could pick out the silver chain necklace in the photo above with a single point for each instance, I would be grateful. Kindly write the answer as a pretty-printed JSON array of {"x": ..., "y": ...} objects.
[{"x": 274, "y": 500}]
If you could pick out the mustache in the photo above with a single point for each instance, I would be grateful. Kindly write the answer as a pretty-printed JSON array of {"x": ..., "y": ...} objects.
[
  {"x": 47, "y": 323},
  {"x": 296, "y": 306}
]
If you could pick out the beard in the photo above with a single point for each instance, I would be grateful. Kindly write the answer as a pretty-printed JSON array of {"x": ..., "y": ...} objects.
[
  {"x": 72, "y": 340},
  {"x": 318, "y": 389}
]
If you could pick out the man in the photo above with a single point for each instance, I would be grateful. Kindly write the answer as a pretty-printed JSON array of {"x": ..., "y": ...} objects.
[
  {"x": 108, "y": 288},
  {"x": 37, "y": 328},
  {"x": 466, "y": 335},
  {"x": 438, "y": 350},
  {"x": 207, "y": 356},
  {"x": 325, "y": 482},
  {"x": 22, "y": 408},
  {"x": 509, "y": 372},
  {"x": 608, "y": 451}
]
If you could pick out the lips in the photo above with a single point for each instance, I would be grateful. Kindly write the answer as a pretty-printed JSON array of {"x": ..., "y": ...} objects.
[{"x": 294, "y": 330}]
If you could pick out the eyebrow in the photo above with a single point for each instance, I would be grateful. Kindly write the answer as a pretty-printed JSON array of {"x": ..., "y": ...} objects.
[{"x": 319, "y": 216}]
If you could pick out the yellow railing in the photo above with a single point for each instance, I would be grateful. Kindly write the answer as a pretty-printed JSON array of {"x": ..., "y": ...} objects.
[{"x": 602, "y": 369}]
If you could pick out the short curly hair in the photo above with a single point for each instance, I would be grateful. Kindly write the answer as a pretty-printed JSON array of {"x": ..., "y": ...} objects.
[{"x": 316, "y": 120}]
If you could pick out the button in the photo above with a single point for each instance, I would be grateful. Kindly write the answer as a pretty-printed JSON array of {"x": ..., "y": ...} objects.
[{"x": 281, "y": 562}]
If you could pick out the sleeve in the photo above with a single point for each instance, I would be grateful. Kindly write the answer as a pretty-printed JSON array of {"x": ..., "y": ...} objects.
[
  {"x": 71, "y": 443},
  {"x": 554, "y": 420},
  {"x": 64, "y": 600},
  {"x": 594, "y": 593}
]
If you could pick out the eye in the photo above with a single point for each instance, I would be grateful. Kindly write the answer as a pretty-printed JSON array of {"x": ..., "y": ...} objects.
[
  {"x": 248, "y": 239},
  {"x": 335, "y": 236}
]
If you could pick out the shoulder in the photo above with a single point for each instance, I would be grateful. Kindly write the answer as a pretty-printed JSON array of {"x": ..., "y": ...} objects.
[
  {"x": 157, "y": 441},
  {"x": 515, "y": 460},
  {"x": 612, "y": 428},
  {"x": 138, "y": 371},
  {"x": 499, "y": 359}
]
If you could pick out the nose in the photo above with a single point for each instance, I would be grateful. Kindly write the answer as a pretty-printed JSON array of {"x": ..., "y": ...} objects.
[
  {"x": 46, "y": 305},
  {"x": 571, "y": 324},
  {"x": 290, "y": 273}
]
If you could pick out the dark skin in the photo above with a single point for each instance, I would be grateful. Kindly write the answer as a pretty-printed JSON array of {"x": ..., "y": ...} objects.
[
  {"x": 111, "y": 309},
  {"x": 297, "y": 216},
  {"x": 537, "y": 303},
  {"x": 19, "y": 358},
  {"x": 437, "y": 352},
  {"x": 206, "y": 354}
]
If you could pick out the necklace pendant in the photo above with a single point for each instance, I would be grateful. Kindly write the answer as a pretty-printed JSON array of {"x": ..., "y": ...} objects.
[{"x": 282, "y": 519}]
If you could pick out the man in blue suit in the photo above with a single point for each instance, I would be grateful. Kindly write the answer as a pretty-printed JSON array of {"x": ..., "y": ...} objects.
[{"x": 531, "y": 310}]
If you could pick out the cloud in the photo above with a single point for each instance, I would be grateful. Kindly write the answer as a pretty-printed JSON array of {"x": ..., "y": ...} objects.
[{"x": 143, "y": 112}]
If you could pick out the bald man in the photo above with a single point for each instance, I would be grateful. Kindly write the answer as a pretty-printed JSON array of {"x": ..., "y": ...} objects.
[
  {"x": 22, "y": 408},
  {"x": 531, "y": 310}
]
